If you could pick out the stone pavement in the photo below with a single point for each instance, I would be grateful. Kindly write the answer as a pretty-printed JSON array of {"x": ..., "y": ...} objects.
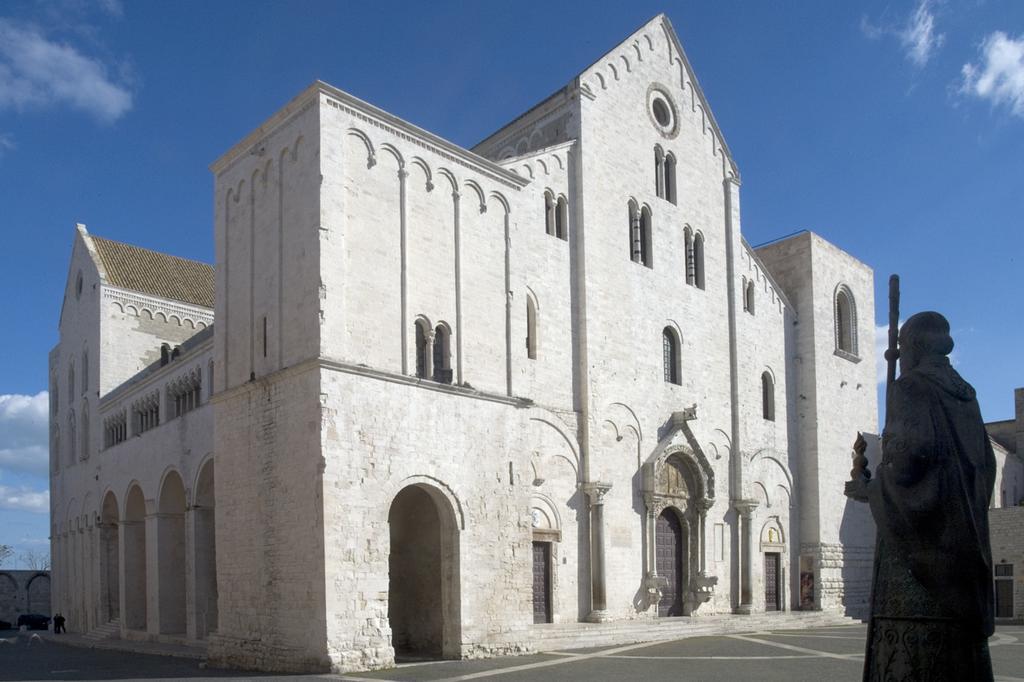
[{"x": 832, "y": 653}]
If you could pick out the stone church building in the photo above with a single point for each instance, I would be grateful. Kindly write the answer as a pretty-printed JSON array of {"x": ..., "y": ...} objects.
[{"x": 431, "y": 399}]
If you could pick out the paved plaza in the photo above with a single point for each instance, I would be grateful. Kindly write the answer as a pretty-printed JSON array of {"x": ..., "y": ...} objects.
[{"x": 825, "y": 653}]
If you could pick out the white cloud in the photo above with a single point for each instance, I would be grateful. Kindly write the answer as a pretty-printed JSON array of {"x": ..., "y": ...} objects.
[
  {"x": 917, "y": 34},
  {"x": 36, "y": 72},
  {"x": 112, "y": 7},
  {"x": 24, "y": 499},
  {"x": 6, "y": 143},
  {"x": 999, "y": 78},
  {"x": 918, "y": 37},
  {"x": 24, "y": 439}
]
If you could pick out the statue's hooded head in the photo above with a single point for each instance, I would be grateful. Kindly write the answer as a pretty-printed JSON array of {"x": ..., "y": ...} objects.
[{"x": 924, "y": 335}]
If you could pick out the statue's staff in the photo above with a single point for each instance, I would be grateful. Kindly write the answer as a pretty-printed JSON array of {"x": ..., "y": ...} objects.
[{"x": 892, "y": 354}]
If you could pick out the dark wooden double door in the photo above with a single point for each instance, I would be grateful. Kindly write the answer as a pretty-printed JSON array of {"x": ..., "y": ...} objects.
[
  {"x": 670, "y": 561},
  {"x": 772, "y": 593},
  {"x": 541, "y": 582}
]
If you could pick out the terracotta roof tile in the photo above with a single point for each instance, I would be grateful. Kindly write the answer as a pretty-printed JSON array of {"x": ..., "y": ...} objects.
[{"x": 156, "y": 274}]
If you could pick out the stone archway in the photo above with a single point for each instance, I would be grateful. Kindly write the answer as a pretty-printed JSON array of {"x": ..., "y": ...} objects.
[
  {"x": 204, "y": 516},
  {"x": 170, "y": 540},
  {"x": 423, "y": 574},
  {"x": 110, "y": 561},
  {"x": 134, "y": 537},
  {"x": 39, "y": 594}
]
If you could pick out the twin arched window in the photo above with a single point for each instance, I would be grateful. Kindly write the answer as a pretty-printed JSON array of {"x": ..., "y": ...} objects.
[
  {"x": 670, "y": 356},
  {"x": 556, "y": 216},
  {"x": 640, "y": 235},
  {"x": 71, "y": 384},
  {"x": 767, "y": 396},
  {"x": 694, "y": 247},
  {"x": 433, "y": 352},
  {"x": 665, "y": 174},
  {"x": 846, "y": 320}
]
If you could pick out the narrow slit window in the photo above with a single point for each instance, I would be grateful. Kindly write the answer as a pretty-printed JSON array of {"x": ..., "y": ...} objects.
[
  {"x": 531, "y": 329},
  {"x": 767, "y": 397}
]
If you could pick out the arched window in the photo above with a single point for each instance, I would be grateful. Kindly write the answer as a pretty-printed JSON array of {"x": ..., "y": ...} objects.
[
  {"x": 646, "y": 230},
  {"x": 688, "y": 253},
  {"x": 767, "y": 396},
  {"x": 549, "y": 212},
  {"x": 55, "y": 453},
  {"x": 670, "y": 178},
  {"x": 846, "y": 321},
  {"x": 85, "y": 430},
  {"x": 748, "y": 297},
  {"x": 422, "y": 350},
  {"x": 659, "y": 172},
  {"x": 209, "y": 381},
  {"x": 442, "y": 355},
  {"x": 633, "y": 230},
  {"x": 531, "y": 328},
  {"x": 670, "y": 353},
  {"x": 71, "y": 384},
  {"x": 562, "y": 218},
  {"x": 54, "y": 395},
  {"x": 72, "y": 438},
  {"x": 698, "y": 260},
  {"x": 85, "y": 371}
]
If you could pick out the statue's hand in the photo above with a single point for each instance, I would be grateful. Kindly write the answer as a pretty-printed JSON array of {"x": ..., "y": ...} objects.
[{"x": 857, "y": 489}]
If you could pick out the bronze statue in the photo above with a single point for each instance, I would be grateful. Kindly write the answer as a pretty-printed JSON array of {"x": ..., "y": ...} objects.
[{"x": 931, "y": 601}]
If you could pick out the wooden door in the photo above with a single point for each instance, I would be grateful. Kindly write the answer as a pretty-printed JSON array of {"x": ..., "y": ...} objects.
[
  {"x": 542, "y": 582},
  {"x": 772, "y": 601},
  {"x": 668, "y": 543}
]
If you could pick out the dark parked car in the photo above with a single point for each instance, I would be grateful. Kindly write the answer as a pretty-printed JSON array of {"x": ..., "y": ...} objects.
[
  {"x": 4, "y": 625},
  {"x": 34, "y": 621}
]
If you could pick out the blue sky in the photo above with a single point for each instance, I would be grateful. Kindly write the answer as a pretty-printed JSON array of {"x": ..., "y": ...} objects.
[{"x": 893, "y": 129}]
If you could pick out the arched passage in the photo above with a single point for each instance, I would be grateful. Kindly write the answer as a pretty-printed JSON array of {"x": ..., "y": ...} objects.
[
  {"x": 110, "y": 569},
  {"x": 170, "y": 541},
  {"x": 39, "y": 594},
  {"x": 423, "y": 572},
  {"x": 134, "y": 608},
  {"x": 205, "y": 553}
]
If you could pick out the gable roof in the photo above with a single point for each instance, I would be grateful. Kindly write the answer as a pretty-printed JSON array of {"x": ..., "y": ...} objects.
[{"x": 156, "y": 274}]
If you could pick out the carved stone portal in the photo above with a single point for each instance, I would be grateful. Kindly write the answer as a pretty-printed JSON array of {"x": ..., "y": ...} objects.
[{"x": 675, "y": 481}]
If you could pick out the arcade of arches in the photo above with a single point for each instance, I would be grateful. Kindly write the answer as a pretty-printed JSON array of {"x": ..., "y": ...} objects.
[{"x": 146, "y": 579}]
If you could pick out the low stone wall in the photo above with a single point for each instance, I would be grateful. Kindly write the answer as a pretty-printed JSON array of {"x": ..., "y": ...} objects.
[{"x": 23, "y": 592}]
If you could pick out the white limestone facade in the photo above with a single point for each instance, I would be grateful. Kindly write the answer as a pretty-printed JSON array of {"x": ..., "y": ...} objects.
[{"x": 461, "y": 394}]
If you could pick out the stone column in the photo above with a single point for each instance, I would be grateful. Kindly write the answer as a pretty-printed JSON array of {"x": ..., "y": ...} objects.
[
  {"x": 152, "y": 573},
  {"x": 703, "y": 505},
  {"x": 746, "y": 508},
  {"x": 595, "y": 492}
]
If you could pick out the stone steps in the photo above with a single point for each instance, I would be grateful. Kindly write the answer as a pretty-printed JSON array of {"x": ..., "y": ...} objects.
[
  {"x": 109, "y": 630},
  {"x": 562, "y": 636}
]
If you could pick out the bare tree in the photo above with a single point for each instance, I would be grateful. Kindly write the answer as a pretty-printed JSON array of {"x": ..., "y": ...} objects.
[
  {"x": 35, "y": 561},
  {"x": 5, "y": 552}
]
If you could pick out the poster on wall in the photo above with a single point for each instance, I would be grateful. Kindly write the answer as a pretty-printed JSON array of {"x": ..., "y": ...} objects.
[{"x": 807, "y": 583}]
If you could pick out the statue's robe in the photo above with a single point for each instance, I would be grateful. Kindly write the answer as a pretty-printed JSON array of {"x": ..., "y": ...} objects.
[{"x": 931, "y": 602}]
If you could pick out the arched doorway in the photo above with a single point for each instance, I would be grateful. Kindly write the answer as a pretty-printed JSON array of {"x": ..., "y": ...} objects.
[
  {"x": 170, "y": 543},
  {"x": 110, "y": 574},
  {"x": 135, "y": 560},
  {"x": 671, "y": 561},
  {"x": 423, "y": 575},
  {"x": 205, "y": 553}
]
